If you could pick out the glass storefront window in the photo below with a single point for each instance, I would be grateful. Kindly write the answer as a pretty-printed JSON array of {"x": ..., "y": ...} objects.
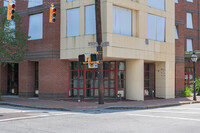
[
  {"x": 84, "y": 81},
  {"x": 106, "y": 66},
  {"x": 74, "y": 66},
  {"x": 74, "y": 74},
  {"x": 121, "y": 66},
  {"x": 106, "y": 74}
]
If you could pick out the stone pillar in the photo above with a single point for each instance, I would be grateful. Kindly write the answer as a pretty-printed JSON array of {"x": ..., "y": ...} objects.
[
  {"x": 3, "y": 79},
  {"x": 165, "y": 79},
  {"x": 26, "y": 79},
  {"x": 135, "y": 79},
  {"x": 53, "y": 78}
]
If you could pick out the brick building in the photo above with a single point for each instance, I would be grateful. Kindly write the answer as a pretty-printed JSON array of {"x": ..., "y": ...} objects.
[
  {"x": 187, "y": 40},
  {"x": 42, "y": 67},
  {"x": 140, "y": 58}
]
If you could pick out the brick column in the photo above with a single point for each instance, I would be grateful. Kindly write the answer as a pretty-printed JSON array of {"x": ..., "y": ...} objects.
[
  {"x": 26, "y": 78},
  {"x": 53, "y": 78},
  {"x": 3, "y": 79},
  {"x": 180, "y": 78}
]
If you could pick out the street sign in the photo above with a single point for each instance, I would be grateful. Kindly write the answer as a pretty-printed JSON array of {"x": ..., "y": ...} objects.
[
  {"x": 92, "y": 65},
  {"x": 93, "y": 44},
  {"x": 104, "y": 44}
]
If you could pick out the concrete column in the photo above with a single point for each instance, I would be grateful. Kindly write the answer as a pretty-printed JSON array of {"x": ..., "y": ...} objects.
[
  {"x": 3, "y": 79},
  {"x": 165, "y": 79},
  {"x": 135, "y": 79},
  {"x": 26, "y": 78}
]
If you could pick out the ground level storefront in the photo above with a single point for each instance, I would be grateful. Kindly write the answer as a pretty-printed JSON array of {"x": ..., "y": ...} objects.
[{"x": 131, "y": 79}]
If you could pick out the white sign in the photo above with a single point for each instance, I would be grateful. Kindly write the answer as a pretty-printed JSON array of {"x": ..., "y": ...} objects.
[{"x": 92, "y": 65}]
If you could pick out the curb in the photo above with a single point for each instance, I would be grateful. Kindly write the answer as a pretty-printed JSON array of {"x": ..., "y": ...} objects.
[
  {"x": 150, "y": 107},
  {"x": 35, "y": 107},
  {"x": 109, "y": 107}
]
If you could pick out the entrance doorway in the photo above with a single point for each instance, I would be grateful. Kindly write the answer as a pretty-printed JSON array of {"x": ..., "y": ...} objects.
[
  {"x": 149, "y": 80},
  {"x": 36, "y": 79},
  {"x": 12, "y": 79}
]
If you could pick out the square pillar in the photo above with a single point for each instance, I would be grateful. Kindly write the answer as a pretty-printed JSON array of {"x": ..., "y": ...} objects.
[
  {"x": 26, "y": 78},
  {"x": 165, "y": 80},
  {"x": 3, "y": 79},
  {"x": 135, "y": 79},
  {"x": 53, "y": 78}
]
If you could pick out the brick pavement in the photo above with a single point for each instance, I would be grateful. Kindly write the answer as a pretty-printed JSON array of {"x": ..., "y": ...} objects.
[{"x": 74, "y": 105}]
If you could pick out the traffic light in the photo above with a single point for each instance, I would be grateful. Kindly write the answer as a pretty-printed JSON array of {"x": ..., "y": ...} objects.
[
  {"x": 82, "y": 58},
  {"x": 93, "y": 58},
  {"x": 10, "y": 11},
  {"x": 52, "y": 16}
]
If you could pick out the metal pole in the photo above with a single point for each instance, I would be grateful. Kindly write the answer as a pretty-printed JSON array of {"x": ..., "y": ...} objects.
[
  {"x": 194, "y": 98},
  {"x": 100, "y": 50}
]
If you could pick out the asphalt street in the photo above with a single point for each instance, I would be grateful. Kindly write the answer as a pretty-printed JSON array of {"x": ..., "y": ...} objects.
[{"x": 176, "y": 119}]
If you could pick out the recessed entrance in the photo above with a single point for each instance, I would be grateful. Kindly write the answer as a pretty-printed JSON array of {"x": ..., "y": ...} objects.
[
  {"x": 12, "y": 79},
  {"x": 149, "y": 80}
]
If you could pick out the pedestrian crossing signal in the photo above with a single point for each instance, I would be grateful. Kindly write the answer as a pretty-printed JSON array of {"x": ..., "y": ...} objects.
[
  {"x": 93, "y": 58},
  {"x": 82, "y": 58}
]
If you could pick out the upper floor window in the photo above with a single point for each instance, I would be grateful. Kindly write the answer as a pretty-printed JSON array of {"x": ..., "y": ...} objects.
[
  {"x": 189, "y": 45},
  {"x": 156, "y": 28},
  {"x": 189, "y": 20},
  {"x": 176, "y": 1},
  {"x": 32, "y": 3},
  {"x": 90, "y": 20},
  {"x": 189, "y": 0},
  {"x": 122, "y": 21},
  {"x": 176, "y": 32},
  {"x": 159, "y": 4},
  {"x": 35, "y": 26},
  {"x": 73, "y": 22}
]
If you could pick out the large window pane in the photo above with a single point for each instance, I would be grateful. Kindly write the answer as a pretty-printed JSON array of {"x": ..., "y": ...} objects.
[
  {"x": 35, "y": 26},
  {"x": 189, "y": 45},
  {"x": 151, "y": 27},
  {"x": 122, "y": 21},
  {"x": 90, "y": 20},
  {"x": 156, "y": 28},
  {"x": 159, "y": 4},
  {"x": 32, "y": 3},
  {"x": 74, "y": 66},
  {"x": 189, "y": 20},
  {"x": 160, "y": 29},
  {"x": 121, "y": 66},
  {"x": 73, "y": 22}
]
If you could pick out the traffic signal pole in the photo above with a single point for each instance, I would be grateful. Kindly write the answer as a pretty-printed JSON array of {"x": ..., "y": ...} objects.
[{"x": 100, "y": 51}]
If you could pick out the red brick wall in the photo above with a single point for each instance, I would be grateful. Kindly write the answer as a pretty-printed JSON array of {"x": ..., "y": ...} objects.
[
  {"x": 53, "y": 78},
  {"x": 26, "y": 78},
  {"x": 180, "y": 16}
]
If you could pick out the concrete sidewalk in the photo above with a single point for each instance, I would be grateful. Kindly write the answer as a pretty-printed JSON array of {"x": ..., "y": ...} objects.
[{"x": 72, "y": 105}]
